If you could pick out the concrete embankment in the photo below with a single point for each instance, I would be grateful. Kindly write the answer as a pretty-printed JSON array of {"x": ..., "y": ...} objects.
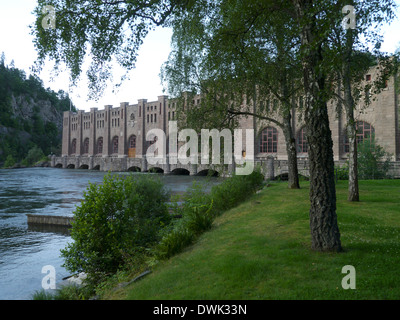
[{"x": 50, "y": 220}]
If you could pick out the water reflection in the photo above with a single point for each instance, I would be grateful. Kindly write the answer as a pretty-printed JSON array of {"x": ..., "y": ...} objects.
[{"x": 60, "y": 230}]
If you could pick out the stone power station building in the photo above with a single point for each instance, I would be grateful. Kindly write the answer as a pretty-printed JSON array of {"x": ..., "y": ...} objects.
[{"x": 115, "y": 138}]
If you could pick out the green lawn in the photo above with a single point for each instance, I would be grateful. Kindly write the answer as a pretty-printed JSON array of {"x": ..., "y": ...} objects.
[{"x": 261, "y": 250}]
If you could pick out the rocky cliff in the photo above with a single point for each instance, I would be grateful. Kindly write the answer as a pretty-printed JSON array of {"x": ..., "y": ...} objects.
[
  {"x": 25, "y": 107},
  {"x": 30, "y": 116}
]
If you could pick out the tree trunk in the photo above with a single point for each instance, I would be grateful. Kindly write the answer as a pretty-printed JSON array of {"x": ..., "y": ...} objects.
[
  {"x": 353, "y": 193},
  {"x": 293, "y": 173},
  {"x": 325, "y": 234}
]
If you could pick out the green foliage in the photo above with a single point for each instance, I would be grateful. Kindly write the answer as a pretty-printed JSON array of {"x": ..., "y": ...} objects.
[
  {"x": 66, "y": 292},
  {"x": 259, "y": 251},
  {"x": 373, "y": 160},
  {"x": 235, "y": 190},
  {"x": 342, "y": 173},
  {"x": 46, "y": 135},
  {"x": 34, "y": 155},
  {"x": 103, "y": 31},
  {"x": 116, "y": 219},
  {"x": 10, "y": 161},
  {"x": 199, "y": 209},
  {"x": 11, "y": 144},
  {"x": 174, "y": 242}
]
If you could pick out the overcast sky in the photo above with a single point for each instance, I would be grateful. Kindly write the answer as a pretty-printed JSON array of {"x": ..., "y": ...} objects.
[{"x": 16, "y": 43}]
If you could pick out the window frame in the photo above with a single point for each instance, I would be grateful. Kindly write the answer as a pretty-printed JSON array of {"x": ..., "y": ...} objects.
[{"x": 268, "y": 140}]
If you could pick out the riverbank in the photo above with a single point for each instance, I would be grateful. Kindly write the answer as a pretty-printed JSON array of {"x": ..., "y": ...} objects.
[
  {"x": 261, "y": 250},
  {"x": 25, "y": 249},
  {"x": 39, "y": 164}
]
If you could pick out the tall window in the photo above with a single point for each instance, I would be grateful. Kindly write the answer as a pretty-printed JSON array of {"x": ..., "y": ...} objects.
[
  {"x": 269, "y": 140},
  {"x": 132, "y": 142},
  {"x": 364, "y": 131},
  {"x": 115, "y": 145},
  {"x": 86, "y": 145},
  {"x": 73, "y": 146},
  {"x": 302, "y": 145},
  {"x": 100, "y": 145}
]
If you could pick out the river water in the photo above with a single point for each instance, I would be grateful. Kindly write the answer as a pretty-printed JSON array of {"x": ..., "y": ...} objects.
[{"x": 25, "y": 250}]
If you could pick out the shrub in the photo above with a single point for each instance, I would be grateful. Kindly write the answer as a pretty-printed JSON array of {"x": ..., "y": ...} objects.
[
  {"x": 116, "y": 219},
  {"x": 196, "y": 217},
  {"x": 373, "y": 160},
  {"x": 34, "y": 154},
  {"x": 174, "y": 242},
  {"x": 235, "y": 190},
  {"x": 199, "y": 210},
  {"x": 342, "y": 173},
  {"x": 10, "y": 161}
]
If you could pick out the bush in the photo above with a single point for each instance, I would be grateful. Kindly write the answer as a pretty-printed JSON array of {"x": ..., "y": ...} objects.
[
  {"x": 34, "y": 155},
  {"x": 10, "y": 161},
  {"x": 199, "y": 210},
  {"x": 194, "y": 208},
  {"x": 65, "y": 292},
  {"x": 174, "y": 242},
  {"x": 116, "y": 219},
  {"x": 342, "y": 173},
  {"x": 235, "y": 190},
  {"x": 373, "y": 160}
]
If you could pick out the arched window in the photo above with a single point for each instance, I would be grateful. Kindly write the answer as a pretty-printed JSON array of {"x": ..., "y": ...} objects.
[
  {"x": 269, "y": 140},
  {"x": 86, "y": 145},
  {"x": 302, "y": 145},
  {"x": 364, "y": 131},
  {"x": 115, "y": 145},
  {"x": 132, "y": 142},
  {"x": 73, "y": 146},
  {"x": 100, "y": 145}
]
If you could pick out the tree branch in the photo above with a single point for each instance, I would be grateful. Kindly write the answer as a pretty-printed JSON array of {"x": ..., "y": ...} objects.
[{"x": 246, "y": 113}]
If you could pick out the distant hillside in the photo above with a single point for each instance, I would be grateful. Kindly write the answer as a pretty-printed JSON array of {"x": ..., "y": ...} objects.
[{"x": 30, "y": 116}]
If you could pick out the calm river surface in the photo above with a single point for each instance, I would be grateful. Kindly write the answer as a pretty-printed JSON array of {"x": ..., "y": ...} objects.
[{"x": 24, "y": 250}]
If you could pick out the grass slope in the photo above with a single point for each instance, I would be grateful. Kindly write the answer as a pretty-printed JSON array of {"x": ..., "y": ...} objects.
[{"x": 261, "y": 250}]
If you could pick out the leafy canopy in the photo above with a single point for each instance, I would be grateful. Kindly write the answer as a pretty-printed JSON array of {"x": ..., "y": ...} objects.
[{"x": 104, "y": 31}]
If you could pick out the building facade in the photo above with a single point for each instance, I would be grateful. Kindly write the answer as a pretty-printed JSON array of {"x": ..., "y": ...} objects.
[{"x": 120, "y": 132}]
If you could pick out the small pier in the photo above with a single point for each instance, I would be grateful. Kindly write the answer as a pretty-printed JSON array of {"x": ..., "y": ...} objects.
[{"x": 36, "y": 219}]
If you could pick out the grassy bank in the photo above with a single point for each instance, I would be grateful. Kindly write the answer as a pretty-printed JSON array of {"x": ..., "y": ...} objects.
[{"x": 261, "y": 250}]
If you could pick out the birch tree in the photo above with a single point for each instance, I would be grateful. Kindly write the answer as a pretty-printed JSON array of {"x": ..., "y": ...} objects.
[
  {"x": 242, "y": 62},
  {"x": 354, "y": 49}
]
